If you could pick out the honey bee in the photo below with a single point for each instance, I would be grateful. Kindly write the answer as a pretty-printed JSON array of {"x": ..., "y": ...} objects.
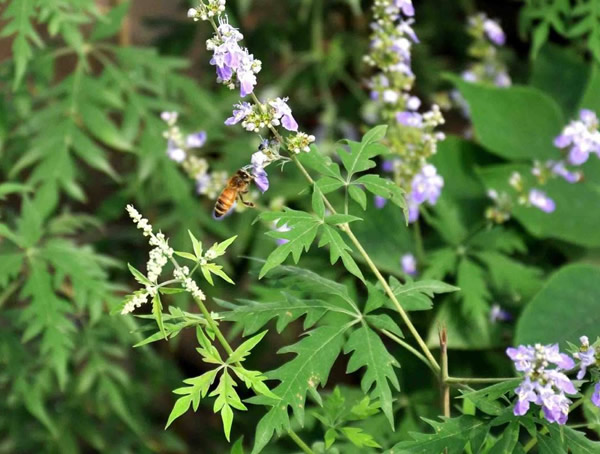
[{"x": 236, "y": 187}]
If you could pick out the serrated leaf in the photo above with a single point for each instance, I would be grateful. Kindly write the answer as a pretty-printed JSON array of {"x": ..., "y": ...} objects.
[
  {"x": 317, "y": 202},
  {"x": 157, "y": 311},
  {"x": 338, "y": 248},
  {"x": 359, "y": 157},
  {"x": 218, "y": 249},
  {"x": 181, "y": 406},
  {"x": 240, "y": 353},
  {"x": 197, "y": 245},
  {"x": 139, "y": 276},
  {"x": 474, "y": 292},
  {"x": 383, "y": 188},
  {"x": 417, "y": 295},
  {"x": 369, "y": 351},
  {"x": 337, "y": 219},
  {"x": 321, "y": 163},
  {"x": 449, "y": 436},
  {"x": 216, "y": 270},
  {"x": 304, "y": 228},
  {"x": 358, "y": 195},
  {"x": 358, "y": 437},
  {"x": 315, "y": 355},
  {"x": 329, "y": 184},
  {"x": 102, "y": 127},
  {"x": 109, "y": 24}
]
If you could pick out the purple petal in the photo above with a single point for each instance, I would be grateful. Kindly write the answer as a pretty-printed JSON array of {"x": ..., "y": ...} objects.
[{"x": 289, "y": 123}]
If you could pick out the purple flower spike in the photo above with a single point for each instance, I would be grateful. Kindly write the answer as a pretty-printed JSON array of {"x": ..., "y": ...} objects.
[
  {"x": 196, "y": 140},
  {"x": 540, "y": 200},
  {"x": 380, "y": 202},
  {"x": 596, "y": 395},
  {"x": 413, "y": 119},
  {"x": 426, "y": 185},
  {"x": 409, "y": 264}
]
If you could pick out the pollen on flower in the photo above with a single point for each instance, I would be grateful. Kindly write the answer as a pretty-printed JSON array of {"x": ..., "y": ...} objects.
[{"x": 300, "y": 142}]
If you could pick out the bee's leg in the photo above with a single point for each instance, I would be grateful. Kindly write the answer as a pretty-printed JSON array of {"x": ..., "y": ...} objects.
[{"x": 248, "y": 204}]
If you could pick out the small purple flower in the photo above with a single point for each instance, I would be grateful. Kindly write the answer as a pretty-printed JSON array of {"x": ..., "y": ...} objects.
[
  {"x": 426, "y": 185},
  {"x": 196, "y": 140},
  {"x": 497, "y": 314},
  {"x": 494, "y": 32},
  {"x": 388, "y": 165},
  {"x": 240, "y": 111},
  {"x": 413, "y": 103},
  {"x": 175, "y": 153},
  {"x": 405, "y": 27},
  {"x": 283, "y": 228},
  {"x": 502, "y": 79},
  {"x": 469, "y": 76},
  {"x": 260, "y": 178},
  {"x": 380, "y": 201},
  {"x": 413, "y": 119},
  {"x": 558, "y": 168},
  {"x": 413, "y": 210},
  {"x": 169, "y": 117},
  {"x": 283, "y": 112},
  {"x": 203, "y": 183},
  {"x": 405, "y": 6},
  {"x": 586, "y": 356},
  {"x": 540, "y": 200},
  {"x": 596, "y": 395},
  {"x": 409, "y": 264},
  {"x": 582, "y": 135}
]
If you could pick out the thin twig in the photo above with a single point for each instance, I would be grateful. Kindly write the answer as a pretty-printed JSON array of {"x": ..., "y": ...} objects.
[{"x": 445, "y": 389}]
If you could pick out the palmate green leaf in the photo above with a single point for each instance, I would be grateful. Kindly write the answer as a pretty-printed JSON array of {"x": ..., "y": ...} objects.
[
  {"x": 338, "y": 248},
  {"x": 317, "y": 202},
  {"x": 139, "y": 276},
  {"x": 227, "y": 398},
  {"x": 157, "y": 312},
  {"x": 10, "y": 267},
  {"x": 486, "y": 399},
  {"x": 315, "y": 355},
  {"x": 358, "y": 195},
  {"x": 449, "y": 436},
  {"x": 564, "y": 309},
  {"x": 253, "y": 315},
  {"x": 441, "y": 263},
  {"x": 110, "y": 24},
  {"x": 191, "y": 394},
  {"x": 519, "y": 110},
  {"x": 101, "y": 127},
  {"x": 417, "y": 295},
  {"x": 369, "y": 351},
  {"x": 361, "y": 153}
]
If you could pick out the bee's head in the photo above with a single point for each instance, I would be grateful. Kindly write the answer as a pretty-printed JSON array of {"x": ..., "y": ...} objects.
[{"x": 245, "y": 175}]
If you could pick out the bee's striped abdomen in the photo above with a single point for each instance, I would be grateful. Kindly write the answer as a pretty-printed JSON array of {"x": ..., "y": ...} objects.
[{"x": 225, "y": 202}]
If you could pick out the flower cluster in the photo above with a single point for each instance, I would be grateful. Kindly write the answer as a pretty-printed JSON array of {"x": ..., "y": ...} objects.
[
  {"x": 581, "y": 137},
  {"x": 412, "y": 135},
  {"x": 205, "y": 11},
  {"x": 546, "y": 386},
  {"x": 272, "y": 114},
  {"x": 159, "y": 256},
  {"x": 542, "y": 385},
  {"x": 183, "y": 275},
  {"x": 236, "y": 67}
]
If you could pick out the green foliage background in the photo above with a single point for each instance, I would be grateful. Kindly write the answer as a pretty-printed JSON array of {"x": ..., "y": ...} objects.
[{"x": 81, "y": 137}]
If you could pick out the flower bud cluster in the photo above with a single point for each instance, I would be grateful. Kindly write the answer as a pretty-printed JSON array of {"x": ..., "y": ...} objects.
[
  {"x": 208, "y": 10},
  {"x": 412, "y": 135},
  {"x": 183, "y": 275},
  {"x": 137, "y": 299}
]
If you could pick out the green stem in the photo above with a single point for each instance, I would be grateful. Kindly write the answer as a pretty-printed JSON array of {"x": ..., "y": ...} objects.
[
  {"x": 445, "y": 389},
  {"x": 420, "y": 249},
  {"x": 305, "y": 448},
  {"x": 410, "y": 348},
  {"x": 466, "y": 380}
]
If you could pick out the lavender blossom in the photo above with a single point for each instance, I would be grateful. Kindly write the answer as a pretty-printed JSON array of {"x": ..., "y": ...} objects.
[
  {"x": 409, "y": 264},
  {"x": 426, "y": 186},
  {"x": 586, "y": 356},
  {"x": 175, "y": 153},
  {"x": 543, "y": 386},
  {"x": 196, "y": 140},
  {"x": 240, "y": 111},
  {"x": 379, "y": 201},
  {"x": 494, "y": 32},
  {"x": 284, "y": 114},
  {"x": 540, "y": 200},
  {"x": 582, "y": 136},
  {"x": 497, "y": 314},
  {"x": 596, "y": 395},
  {"x": 260, "y": 178}
]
